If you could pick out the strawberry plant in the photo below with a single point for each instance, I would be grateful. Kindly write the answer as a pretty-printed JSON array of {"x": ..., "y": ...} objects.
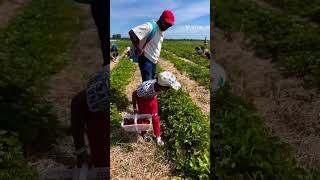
[
  {"x": 297, "y": 7},
  {"x": 32, "y": 48},
  {"x": 120, "y": 77},
  {"x": 12, "y": 164},
  {"x": 186, "y": 131}
]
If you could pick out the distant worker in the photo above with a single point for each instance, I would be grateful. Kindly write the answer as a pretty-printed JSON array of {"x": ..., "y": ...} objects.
[
  {"x": 205, "y": 53},
  {"x": 205, "y": 41},
  {"x": 127, "y": 51},
  {"x": 147, "y": 41},
  {"x": 198, "y": 50},
  {"x": 114, "y": 53},
  {"x": 146, "y": 98}
]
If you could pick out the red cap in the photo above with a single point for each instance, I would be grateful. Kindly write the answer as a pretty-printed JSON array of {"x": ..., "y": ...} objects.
[{"x": 168, "y": 16}]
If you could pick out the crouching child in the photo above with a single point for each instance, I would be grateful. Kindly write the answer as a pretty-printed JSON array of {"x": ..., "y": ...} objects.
[{"x": 144, "y": 99}]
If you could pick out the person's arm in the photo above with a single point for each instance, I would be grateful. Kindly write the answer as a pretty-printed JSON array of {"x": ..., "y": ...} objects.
[
  {"x": 138, "y": 33},
  {"x": 134, "y": 38},
  {"x": 134, "y": 102}
]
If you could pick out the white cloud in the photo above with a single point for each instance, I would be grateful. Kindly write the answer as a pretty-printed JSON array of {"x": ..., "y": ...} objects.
[
  {"x": 192, "y": 11},
  {"x": 188, "y": 31}
]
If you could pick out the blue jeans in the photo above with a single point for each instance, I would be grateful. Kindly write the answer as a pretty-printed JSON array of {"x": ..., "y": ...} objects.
[{"x": 147, "y": 68}]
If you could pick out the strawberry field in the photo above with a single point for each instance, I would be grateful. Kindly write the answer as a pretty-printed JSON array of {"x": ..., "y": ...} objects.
[
  {"x": 185, "y": 129},
  {"x": 243, "y": 145}
]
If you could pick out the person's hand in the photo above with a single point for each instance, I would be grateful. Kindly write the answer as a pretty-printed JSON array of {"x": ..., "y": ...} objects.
[
  {"x": 83, "y": 157},
  {"x": 138, "y": 52}
]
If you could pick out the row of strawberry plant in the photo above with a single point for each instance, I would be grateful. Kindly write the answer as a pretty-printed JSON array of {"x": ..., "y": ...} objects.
[
  {"x": 32, "y": 47},
  {"x": 196, "y": 72},
  {"x": 294, "y": 45},
  {"x": 120, "y": 77},
  {"x": 186, "y": 49},
  {"x": 309, "y": 9},
  {"x": 242, "y": 147},
  {"x": 186, "y": 132}
]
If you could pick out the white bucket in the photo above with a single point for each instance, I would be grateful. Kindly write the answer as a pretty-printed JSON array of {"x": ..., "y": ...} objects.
[{"x": 135, "y": 125}]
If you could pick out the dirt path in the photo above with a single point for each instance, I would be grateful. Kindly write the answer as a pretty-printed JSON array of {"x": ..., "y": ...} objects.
[
  {"x": 139, "y": 159},
  {"x": 292, "y": 112},
  {"x": 199, "y": 94},
  {"x": 85, "y": 59},
  {"x": 8, "y": 9}
]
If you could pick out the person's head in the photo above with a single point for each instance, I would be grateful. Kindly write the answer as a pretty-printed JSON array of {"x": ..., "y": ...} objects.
[
  {"x": 166, "y": 20},
  {"x": 202, "y": 48},
  {"x": 165, "y": 81}
]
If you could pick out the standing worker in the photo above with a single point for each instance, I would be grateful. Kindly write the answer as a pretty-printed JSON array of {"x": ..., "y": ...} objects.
[{"x": 149, "y": 49}]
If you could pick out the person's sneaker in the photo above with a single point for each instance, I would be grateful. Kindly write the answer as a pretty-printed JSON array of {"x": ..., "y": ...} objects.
[
  {"x": 159, "y": 141},
  {"x": 147, "y": 137}
]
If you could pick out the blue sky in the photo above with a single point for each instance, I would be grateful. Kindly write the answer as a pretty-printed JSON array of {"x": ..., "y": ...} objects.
[{"x": 192, "y": 18}]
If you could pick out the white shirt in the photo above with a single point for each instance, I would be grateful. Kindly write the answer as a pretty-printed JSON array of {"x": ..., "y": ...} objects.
[{"x": 153, "y": 48}]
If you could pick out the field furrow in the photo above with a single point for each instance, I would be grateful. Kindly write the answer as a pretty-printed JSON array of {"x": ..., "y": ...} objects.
[{"x": 199, "y": 94}]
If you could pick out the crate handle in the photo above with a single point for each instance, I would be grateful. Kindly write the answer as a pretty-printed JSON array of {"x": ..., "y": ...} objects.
[{"x": 135, "y": 121}]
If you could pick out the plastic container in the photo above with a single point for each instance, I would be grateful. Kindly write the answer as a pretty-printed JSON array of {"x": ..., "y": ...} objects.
[
  {"x": 137, "y": 123},
  {"x": 82, "y": 173}
]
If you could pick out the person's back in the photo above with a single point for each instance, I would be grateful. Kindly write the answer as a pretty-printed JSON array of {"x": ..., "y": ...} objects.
[{"x": 198, "y": 50}]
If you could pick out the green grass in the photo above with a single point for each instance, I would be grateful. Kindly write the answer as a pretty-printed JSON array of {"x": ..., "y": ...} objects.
[
  {"x": 33, "y": 47},
  {"x": 293, "y": 45},
  {"x": 196, "y": 72}
]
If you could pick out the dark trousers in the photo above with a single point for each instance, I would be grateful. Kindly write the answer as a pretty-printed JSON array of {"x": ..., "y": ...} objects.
[
  {"x": 147, "y": 68},
  {"x": 99, "y": 14}
]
